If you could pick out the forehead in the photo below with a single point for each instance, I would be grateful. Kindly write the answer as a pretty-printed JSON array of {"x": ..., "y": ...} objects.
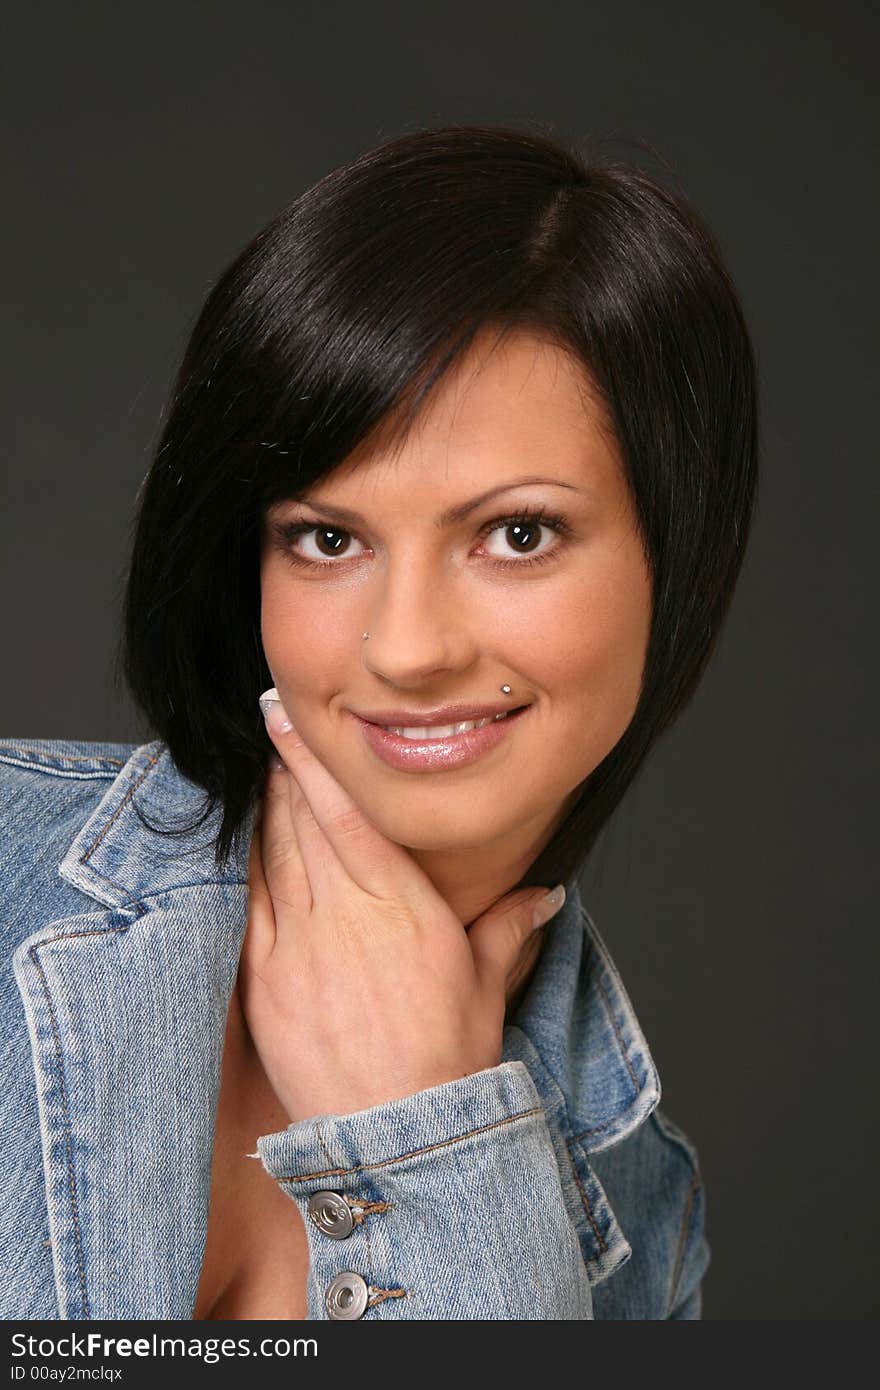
[{"x": 518, "y": 404}]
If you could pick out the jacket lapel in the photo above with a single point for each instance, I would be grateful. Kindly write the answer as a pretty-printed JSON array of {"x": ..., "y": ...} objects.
[
  {"x": 577, "y": 1033},
  {"x": 127, "y": 1008}
]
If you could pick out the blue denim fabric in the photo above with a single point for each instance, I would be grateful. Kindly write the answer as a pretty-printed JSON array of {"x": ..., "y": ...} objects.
[{"x": 550, "y": 1186}]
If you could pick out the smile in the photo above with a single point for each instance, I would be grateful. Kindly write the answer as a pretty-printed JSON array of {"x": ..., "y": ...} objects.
[
  {"x": 423, "y": 734},
  {"x": 440, "y": 747}
]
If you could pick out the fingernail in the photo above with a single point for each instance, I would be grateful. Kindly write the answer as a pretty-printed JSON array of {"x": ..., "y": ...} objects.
[
  {"x": 556, "y": 897},
  {"x": 273, "y": 712},
  {"x": 267, "y": 699},
  {"x": 276, "y": 763},
  {"x": 549, "y": 905}
]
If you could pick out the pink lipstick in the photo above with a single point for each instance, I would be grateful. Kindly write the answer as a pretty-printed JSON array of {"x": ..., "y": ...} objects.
[{"x": 438, "y": 754}]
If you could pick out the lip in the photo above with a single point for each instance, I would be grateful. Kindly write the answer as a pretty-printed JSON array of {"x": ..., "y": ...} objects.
[
  {"x": 437, "y": 754},
  {"x": 446, "y": 714}
]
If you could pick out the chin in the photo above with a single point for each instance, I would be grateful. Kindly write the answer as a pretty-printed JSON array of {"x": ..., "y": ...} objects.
[{"x": 450, "y": 833}]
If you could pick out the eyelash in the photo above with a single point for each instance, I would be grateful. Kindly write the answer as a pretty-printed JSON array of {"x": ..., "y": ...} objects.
[{"x": 288, "y": 531}]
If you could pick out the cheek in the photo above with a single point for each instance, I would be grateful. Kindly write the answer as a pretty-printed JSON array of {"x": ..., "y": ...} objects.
[
  {"x": 302, "y": 648},
  {"x": 594, "y": 638},
  {"x": 278, "y": 622}
]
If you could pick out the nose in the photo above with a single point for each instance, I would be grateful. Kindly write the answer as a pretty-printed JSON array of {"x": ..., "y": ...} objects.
[{"x": 418, "y": 626}]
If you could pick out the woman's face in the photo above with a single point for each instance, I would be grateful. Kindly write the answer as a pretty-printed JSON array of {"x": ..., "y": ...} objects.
[{"x": 457, "y": 606}]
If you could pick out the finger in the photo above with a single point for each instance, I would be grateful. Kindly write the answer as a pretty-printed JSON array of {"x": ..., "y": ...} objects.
[
  {"x": 259, "y": 938},
  {"x": 372, "y": 860},
  {"x": 505, "y": 939},
  {"x": 320, "y": 861},
  {"x": 283, "y": 867}
]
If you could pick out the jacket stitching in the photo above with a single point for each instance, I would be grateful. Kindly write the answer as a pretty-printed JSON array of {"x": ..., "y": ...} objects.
[
  {"x": 119, "y": 809},
  {"x": 596, "y": 1232},
  {"x": 617, "y": 1032},
  {"x": 70, "y": 1172},
  {"x": 361, "y": 1208},
  {"x": 75, "y": 936},
  {"x": 366, "y": 1229},
  {"x": 64, "y": 757},
  {"x": 413, "y": 1153},
  {"x": 382, "y": 1294},
  {"x": 326, "y": 1152},
  {"x": 596, "y": 1129},
  {"x": 682, "y": 1236},
  {"x": 609, "y": 1010}
]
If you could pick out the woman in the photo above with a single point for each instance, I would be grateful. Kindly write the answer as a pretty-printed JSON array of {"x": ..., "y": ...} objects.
[{"x": 446, "y": 515}]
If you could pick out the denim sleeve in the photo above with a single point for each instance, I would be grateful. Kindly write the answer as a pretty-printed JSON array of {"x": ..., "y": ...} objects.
[{"x": 454, "y": 1205}]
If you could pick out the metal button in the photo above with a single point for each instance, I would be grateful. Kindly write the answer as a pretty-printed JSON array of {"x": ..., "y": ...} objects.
[
  {"x": 331, "y": 1214},
  {"x": 346, "y": 1297}
]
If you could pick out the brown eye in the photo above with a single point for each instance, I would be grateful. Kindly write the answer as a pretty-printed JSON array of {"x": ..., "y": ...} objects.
[
  {"x": 330, "y": 540},
  {"x": 309, "y": 543},
  {"x": 523, "y": 535}
]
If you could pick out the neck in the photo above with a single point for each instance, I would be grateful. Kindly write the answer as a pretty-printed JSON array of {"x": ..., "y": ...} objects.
[{"x": 472, "y": 880}]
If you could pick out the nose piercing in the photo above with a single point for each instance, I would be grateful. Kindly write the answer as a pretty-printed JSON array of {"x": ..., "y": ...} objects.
[{"x": 505, "y": 689}]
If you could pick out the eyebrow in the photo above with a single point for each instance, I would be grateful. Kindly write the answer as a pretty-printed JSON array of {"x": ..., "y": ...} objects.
[{"x": 447, "y": 518}]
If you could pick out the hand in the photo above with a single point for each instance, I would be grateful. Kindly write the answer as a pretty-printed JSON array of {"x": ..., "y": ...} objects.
[{"x": 358, "y": 983}]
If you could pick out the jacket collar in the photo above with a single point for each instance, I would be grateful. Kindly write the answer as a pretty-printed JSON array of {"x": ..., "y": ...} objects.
[{"x": 575, "y": 1027}]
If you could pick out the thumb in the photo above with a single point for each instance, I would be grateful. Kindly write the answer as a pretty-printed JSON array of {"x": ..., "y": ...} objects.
[{"x": 497, "y": 938}]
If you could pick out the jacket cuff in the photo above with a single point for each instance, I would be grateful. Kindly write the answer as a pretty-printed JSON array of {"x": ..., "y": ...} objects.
[
  {"x": 384, "y": 1133},
  {"x": 443, "y": 1204}
]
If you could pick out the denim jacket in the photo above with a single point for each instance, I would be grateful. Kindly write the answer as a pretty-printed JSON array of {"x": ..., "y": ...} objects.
[{"x": 549, "y": 1186}]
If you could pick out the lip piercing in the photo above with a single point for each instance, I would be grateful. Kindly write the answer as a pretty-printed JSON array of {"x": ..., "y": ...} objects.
[{"x": 505, "y": 689}]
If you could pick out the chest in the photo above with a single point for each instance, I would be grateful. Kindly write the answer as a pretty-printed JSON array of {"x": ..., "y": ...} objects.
[{"x": 255, "y": 1263}]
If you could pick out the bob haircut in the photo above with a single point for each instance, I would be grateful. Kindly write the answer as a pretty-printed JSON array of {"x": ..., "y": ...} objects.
[{"x": 336, "y": 321}]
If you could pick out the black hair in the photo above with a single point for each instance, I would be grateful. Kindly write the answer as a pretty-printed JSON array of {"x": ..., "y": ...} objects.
[{"x": 339, "y": 317}]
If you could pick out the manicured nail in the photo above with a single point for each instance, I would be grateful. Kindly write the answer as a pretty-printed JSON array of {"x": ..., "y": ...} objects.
[
  {"x": 270, "y": 704},
  {"x": 549, "y": 905},
  {"x": 267, "y": 699}
]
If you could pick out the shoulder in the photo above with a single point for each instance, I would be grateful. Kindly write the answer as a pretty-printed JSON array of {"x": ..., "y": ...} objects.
[
  {"x": 52, "y": 779},
  {"x": 653, "y": 1180},
  {"x": 48, "y": 789},
  {"x": 71, "y": 759},
  {"x": 48, "y": 786}
]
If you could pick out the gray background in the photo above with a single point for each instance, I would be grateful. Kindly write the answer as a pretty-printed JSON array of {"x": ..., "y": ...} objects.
[{"x": 736, "y": 887}]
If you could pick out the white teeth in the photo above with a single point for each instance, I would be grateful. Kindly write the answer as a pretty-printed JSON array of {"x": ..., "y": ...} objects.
[{"x": 430, "y": 731}]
